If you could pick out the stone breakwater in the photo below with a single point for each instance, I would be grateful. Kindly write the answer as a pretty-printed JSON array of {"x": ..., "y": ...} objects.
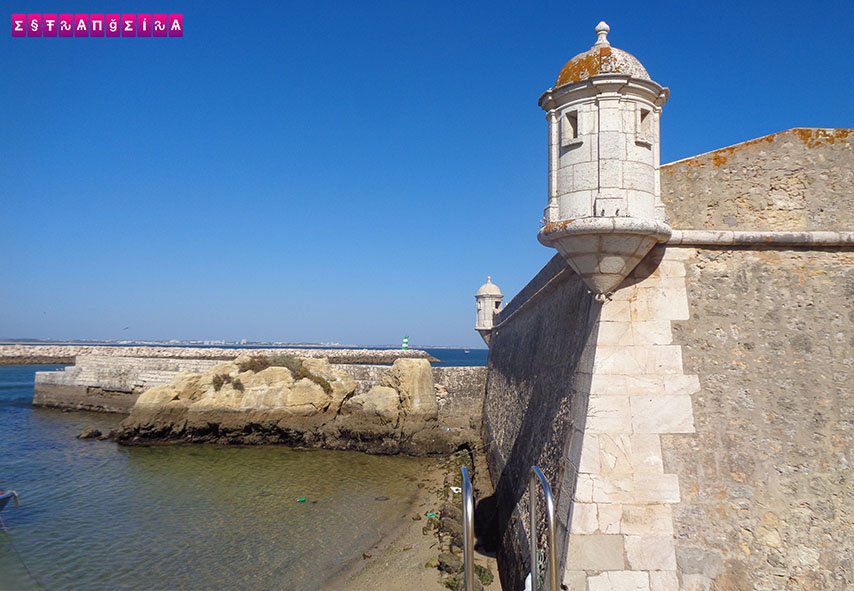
[
  {"x": 113, "y": 383},
  {"x": 310, "y": 404},
  {"x": 109, "y": 383},
  {"x": 368, "y": 407},
  {"x": 24, "y": 354}
]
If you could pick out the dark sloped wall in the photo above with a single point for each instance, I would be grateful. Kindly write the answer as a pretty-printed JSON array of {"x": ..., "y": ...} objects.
[{"x": 536, "y": 399}]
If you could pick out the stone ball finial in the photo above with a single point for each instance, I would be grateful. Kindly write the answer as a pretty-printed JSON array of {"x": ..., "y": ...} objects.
[{"x": 602, "y": 30}]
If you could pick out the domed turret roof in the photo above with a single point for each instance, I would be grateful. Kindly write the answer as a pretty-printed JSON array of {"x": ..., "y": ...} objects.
[
  {"x": 601, "y": 59},
  {"x": 488, "y": 288}
]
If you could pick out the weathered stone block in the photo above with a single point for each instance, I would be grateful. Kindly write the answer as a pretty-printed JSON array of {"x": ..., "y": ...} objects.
[
  {"x": 650, "y": 553},
  {"x": 682, "y": 385},
  {"x": 589, "y": 462},
  {"x": 610, "y": 116},
  {"x": 619, "y": 581},
  {"x": 665, "y": 359},
  {"x": 646, "y": 453},
  {"x": 659, "y": 304},
  {"x": 651, "y": 332},
  {"x": 647, "y": 520},
  {"x": 662, "y": 414},
  {"x": 585, "y": 176},
  {"x": 615, "y": 311},
  {"x": 609, "y": 517},
  {"x": 663, "y": 581},
  {"x": 595, "y": 552},
  {"x": 640, "y": 204},
  {"x": 644, "y": 385},
  {"x": 638, "y": 489},
  {"x": 615, "y": 454},
  {"x": 576, "y": 205},
  {"x": 584, "y": 518},
  {"x": 640, "y": 176},
  {"x": 615, "y": 333},
  {"x": 612, "y": 144},
  {"x": 609, "y": 414},
  {"x": 621, "y": 360},
  {"x": 608, "y": 385},
  {"x": 575, "y": 580},
  {"x": 611, "y": 173},
  {"x": 584, "y": 489}
]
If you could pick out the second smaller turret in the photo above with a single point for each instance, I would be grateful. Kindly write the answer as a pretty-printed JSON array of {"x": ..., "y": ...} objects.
[{"x": 488, "y": 300}]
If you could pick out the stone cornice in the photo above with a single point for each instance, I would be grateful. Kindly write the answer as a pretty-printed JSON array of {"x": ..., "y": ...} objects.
[
  {"x": 759, "y": 238},
  {"x": 619, "y": 83}
]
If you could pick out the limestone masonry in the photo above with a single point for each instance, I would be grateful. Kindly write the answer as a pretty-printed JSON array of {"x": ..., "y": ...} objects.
[{"x": 681, "y": 369}]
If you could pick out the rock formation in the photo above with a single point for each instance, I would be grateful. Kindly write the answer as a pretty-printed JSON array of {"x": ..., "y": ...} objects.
[{"x": 301, "y": 402}]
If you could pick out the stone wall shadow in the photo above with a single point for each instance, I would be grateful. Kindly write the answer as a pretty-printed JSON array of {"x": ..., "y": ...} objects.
[{"x": 536, "y": 402}]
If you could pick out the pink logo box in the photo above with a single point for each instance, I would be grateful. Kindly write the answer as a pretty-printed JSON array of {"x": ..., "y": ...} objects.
[
  {"x": 81, "y": 25},
  {"x": 144, "y": 25},
  {"x": 51, "y": 25},
  {"x": 35, "y": 25},
  {"x": 66, "y": 25},
  {"x": 176, "y": 25},
  {"x": 160, "y": 25},
  {"x": 97, "y": 25},
  {"x": 128, "y": 25},
  {"x": 19, "y": 28},
  {"x": 114, "y": 25}
]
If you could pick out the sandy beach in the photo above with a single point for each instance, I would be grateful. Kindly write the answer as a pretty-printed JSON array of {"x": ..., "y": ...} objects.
[{"x": 408, "y": 558}]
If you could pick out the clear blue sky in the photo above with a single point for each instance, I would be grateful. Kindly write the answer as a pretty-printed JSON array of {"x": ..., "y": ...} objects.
[{"x": 346, "y": 171}]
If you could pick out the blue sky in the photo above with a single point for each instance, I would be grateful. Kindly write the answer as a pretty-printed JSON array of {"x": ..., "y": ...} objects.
[{"x": 347, "y": 171}]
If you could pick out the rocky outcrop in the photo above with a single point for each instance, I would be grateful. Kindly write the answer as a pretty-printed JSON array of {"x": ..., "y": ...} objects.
[{"x": 306, "y": 403}]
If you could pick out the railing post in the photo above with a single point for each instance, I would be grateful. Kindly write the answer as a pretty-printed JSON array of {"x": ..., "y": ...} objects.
[
  {"x": 537, "y": 475},
  {"x": 468, "y": 530}
]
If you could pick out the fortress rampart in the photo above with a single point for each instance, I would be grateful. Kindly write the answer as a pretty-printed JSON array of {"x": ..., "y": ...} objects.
[{"x": 695, "y": 424}]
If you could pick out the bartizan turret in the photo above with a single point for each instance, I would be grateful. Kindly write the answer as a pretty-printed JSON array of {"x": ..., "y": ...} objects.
[
  {"x": 604, "y": 211},
  {"x": 488, "y": 300}
]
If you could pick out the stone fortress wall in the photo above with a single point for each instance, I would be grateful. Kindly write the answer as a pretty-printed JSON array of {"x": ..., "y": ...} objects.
[
  {"x": 696, "y": 425},
  {"x": 765, "y": 480},
  {"x": 795, "y": 180}
]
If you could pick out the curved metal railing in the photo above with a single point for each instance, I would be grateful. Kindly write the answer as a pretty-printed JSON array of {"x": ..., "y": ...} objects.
[
  {"x": 468, "y": 530},
  {"x": 537, "y": 475}
]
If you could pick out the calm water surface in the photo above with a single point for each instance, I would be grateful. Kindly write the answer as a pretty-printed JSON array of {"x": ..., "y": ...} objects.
[
  {"x": 459, "y": 356},
  {"x": 95, "y": 515}
]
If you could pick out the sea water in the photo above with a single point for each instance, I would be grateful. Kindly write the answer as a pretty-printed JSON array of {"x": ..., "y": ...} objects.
[
  {"x": 98, "y": 516},
  {"x": 458, "y": 357}
]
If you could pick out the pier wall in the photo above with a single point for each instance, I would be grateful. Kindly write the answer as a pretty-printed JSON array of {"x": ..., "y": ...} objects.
[
  {"x": 109, "y": 383},
  {"x": 18, "y": 354},
  {"x": 113, "y": 383}
]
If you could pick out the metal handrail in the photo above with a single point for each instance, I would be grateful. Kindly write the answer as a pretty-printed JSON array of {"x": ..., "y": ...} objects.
[
  {"x": 468, "y": 530},
  {"x": 537, "y": 474}
]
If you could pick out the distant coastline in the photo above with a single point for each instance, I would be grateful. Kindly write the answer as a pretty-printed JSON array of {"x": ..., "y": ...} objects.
[{"x": 216, "y": 343}]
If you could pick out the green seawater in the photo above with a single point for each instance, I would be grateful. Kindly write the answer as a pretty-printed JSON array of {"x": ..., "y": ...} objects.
[{"x": 95, "y": 515}]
